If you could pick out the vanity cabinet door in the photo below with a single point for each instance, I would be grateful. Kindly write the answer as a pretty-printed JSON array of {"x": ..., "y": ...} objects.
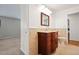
[
  {"x": 44, "y": 43},
  {"x": 48, "y": 47},
  {"x": 47, "y": 42},
  {"x": 54, "y": 41}
]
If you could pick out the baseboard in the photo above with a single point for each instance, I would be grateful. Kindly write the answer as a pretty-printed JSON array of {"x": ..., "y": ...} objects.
[
  {"x": 21, "y": 52},
  {"x": 74, "y": 40}
]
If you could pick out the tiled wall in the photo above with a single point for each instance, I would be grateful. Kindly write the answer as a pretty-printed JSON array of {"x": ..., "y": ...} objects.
[{"x": 33, "y": 42}]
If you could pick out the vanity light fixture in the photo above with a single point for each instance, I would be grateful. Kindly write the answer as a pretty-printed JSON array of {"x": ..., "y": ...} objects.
[{"x": 44, "y": 9}]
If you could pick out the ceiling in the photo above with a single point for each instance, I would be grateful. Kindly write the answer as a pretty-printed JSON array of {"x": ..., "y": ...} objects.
[{"x": 60, "y": 7}]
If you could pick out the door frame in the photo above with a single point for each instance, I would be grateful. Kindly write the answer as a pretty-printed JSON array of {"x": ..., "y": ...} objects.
[{"x": 68, "y": 30}]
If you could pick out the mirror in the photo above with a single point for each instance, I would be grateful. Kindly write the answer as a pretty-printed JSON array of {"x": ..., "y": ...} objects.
[{"x": 44, "y": 20}]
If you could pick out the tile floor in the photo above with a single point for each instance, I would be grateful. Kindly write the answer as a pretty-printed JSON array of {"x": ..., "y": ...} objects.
[{"x": 67, "y": 49}]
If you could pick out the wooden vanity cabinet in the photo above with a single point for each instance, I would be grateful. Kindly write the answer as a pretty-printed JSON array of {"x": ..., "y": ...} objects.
[
  {"x": 47, "y": 42},
  {"x": 54, "y": 41}
]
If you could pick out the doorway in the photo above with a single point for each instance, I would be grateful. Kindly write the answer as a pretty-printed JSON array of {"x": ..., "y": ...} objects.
[{"x": 73, "y": 28}]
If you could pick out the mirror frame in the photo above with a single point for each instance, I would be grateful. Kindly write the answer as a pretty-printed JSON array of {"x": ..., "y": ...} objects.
[{"x": 42, "y": 20}]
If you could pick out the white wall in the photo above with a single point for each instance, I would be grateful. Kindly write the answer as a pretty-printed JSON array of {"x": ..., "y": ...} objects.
[
  {"x": 10, "y": 10},
  {"x": 24, "y": 29},
  {"x": 60, "y": 20},
  {"x": 62, "y": 16},
  {"x": 35, "y": 17},
  {"x": 74, "y": 28},
  {"x": 10, "y": 20},
  {"x": 10, "y": 27}
]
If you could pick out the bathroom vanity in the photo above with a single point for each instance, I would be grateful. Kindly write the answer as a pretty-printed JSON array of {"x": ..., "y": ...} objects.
[{"x": 47, "y": 42}]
